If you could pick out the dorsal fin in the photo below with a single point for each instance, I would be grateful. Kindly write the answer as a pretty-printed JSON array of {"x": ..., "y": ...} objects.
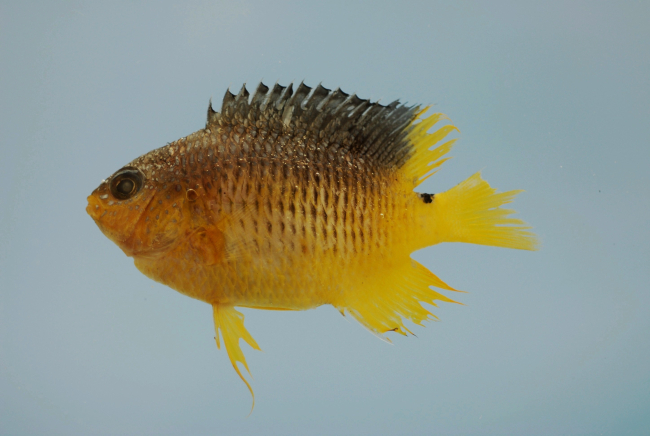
[{"x": 319, "y": 117}]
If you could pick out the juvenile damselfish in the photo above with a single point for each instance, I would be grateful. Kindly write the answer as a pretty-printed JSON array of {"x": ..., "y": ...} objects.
[{"x": 288, "y": 200}]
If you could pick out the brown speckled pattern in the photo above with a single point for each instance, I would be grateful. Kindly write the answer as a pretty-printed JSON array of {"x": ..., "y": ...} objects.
[{"x": 302, "y": 188}]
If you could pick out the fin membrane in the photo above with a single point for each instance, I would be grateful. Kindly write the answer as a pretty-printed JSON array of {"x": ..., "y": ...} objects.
[
  {"x": 231, "y": 324},
  {"x": 424, "y": 162},
  {"x": 471, "y": 212},
  {"x": 385, "y": 302},
  {"x": 337, "y": 122}
]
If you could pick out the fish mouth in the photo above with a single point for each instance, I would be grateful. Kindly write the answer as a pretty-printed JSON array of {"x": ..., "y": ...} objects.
[
  {"x": 94, "y": 208},
  {"x": 97, "y": 210}
]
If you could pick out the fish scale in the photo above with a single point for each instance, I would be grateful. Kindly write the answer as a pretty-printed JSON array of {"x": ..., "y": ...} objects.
[{"x": 288, "y": 200}]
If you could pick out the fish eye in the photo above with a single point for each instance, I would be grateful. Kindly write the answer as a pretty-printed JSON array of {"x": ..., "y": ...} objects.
[{"x": 126, "y": 183}]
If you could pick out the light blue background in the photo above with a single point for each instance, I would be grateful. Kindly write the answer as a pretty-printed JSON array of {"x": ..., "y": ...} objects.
[{"x": 550, "y": 97}]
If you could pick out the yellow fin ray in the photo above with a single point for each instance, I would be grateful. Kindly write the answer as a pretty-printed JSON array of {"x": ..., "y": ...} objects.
[
  {"x": 420, "y": 129},
  {"x": 385, "y": 301},
  {"x": 470, "y": 212},
  {"x": 432, "y": 160},
  {"x": 423, "y": 162},
  {"x": 231, "y": 324}
]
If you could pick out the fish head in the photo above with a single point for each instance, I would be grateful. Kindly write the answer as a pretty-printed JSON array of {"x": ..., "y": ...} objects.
[{"x": 137, "y": 211}]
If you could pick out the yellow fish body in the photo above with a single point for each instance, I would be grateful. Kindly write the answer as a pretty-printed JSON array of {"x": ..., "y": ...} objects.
[{"x": 291, "y": 200}]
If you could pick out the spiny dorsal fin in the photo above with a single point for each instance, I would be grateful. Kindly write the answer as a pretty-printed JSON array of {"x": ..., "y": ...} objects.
[{"x": 324, "y": 118}]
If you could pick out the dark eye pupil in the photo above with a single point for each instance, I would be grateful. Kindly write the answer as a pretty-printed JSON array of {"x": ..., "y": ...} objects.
[{"x": 125, "y": 186}]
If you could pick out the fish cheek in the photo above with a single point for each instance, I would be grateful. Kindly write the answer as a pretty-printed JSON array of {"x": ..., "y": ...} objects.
[
  {"x": 158, "y": 228},
  {"x": 117, "y": 219}
]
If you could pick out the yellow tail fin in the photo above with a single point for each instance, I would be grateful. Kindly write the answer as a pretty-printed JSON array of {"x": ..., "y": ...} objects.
[
  {"x": 231, "y": 324},
  {"x": 471, "y": 212}
]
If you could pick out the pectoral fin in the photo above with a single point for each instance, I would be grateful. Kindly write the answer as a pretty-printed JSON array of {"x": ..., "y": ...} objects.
[
  {"x": 231, "y": 324},
  {"x": 208, "y": 245}
]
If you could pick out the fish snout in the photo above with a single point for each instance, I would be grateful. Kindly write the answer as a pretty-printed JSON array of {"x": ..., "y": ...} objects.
[
  {"x": 94, "y": 208},
  {"x": 111, "y": 221}
]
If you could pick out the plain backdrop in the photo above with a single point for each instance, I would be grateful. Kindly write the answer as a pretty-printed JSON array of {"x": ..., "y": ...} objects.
[{"x": 549, "y": 96}]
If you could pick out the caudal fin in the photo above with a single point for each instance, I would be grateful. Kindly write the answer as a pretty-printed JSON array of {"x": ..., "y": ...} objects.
[{"x": 471, "y": 212}]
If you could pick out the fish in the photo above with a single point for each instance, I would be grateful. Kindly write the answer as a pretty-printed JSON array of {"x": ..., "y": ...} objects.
[{"x": 293, "y": 199}]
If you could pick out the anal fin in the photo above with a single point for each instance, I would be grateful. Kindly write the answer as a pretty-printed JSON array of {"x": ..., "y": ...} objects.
[
  {"x": 383, "y": 304},
  {"x": 231, "y": 324}
]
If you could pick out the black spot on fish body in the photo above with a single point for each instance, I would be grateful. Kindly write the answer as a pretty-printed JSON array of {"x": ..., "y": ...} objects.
[{"x": 427, "y": 198}]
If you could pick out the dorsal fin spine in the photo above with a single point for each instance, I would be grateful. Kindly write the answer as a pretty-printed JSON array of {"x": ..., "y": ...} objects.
[
  {"x": 390, "y": 136},
  {"x": 259, "y": 95},
  {"x": 326, "y": 100},
  {"x": 318, "y": 94},
  {"x": 287, "y": 115},
  {"x": 284, "y": 96},
  {"x": 359, "y": 107},
  {"x": 268, "y": 99},
  {"x": 396, "y": 133},
  {"x": 213, "y": 116},
  {"x": 307, "y": 99},
  {"x": 343, "y": 104},
  {"x": 242, "y": 95},
  {"x": 297, "y": 96}
]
